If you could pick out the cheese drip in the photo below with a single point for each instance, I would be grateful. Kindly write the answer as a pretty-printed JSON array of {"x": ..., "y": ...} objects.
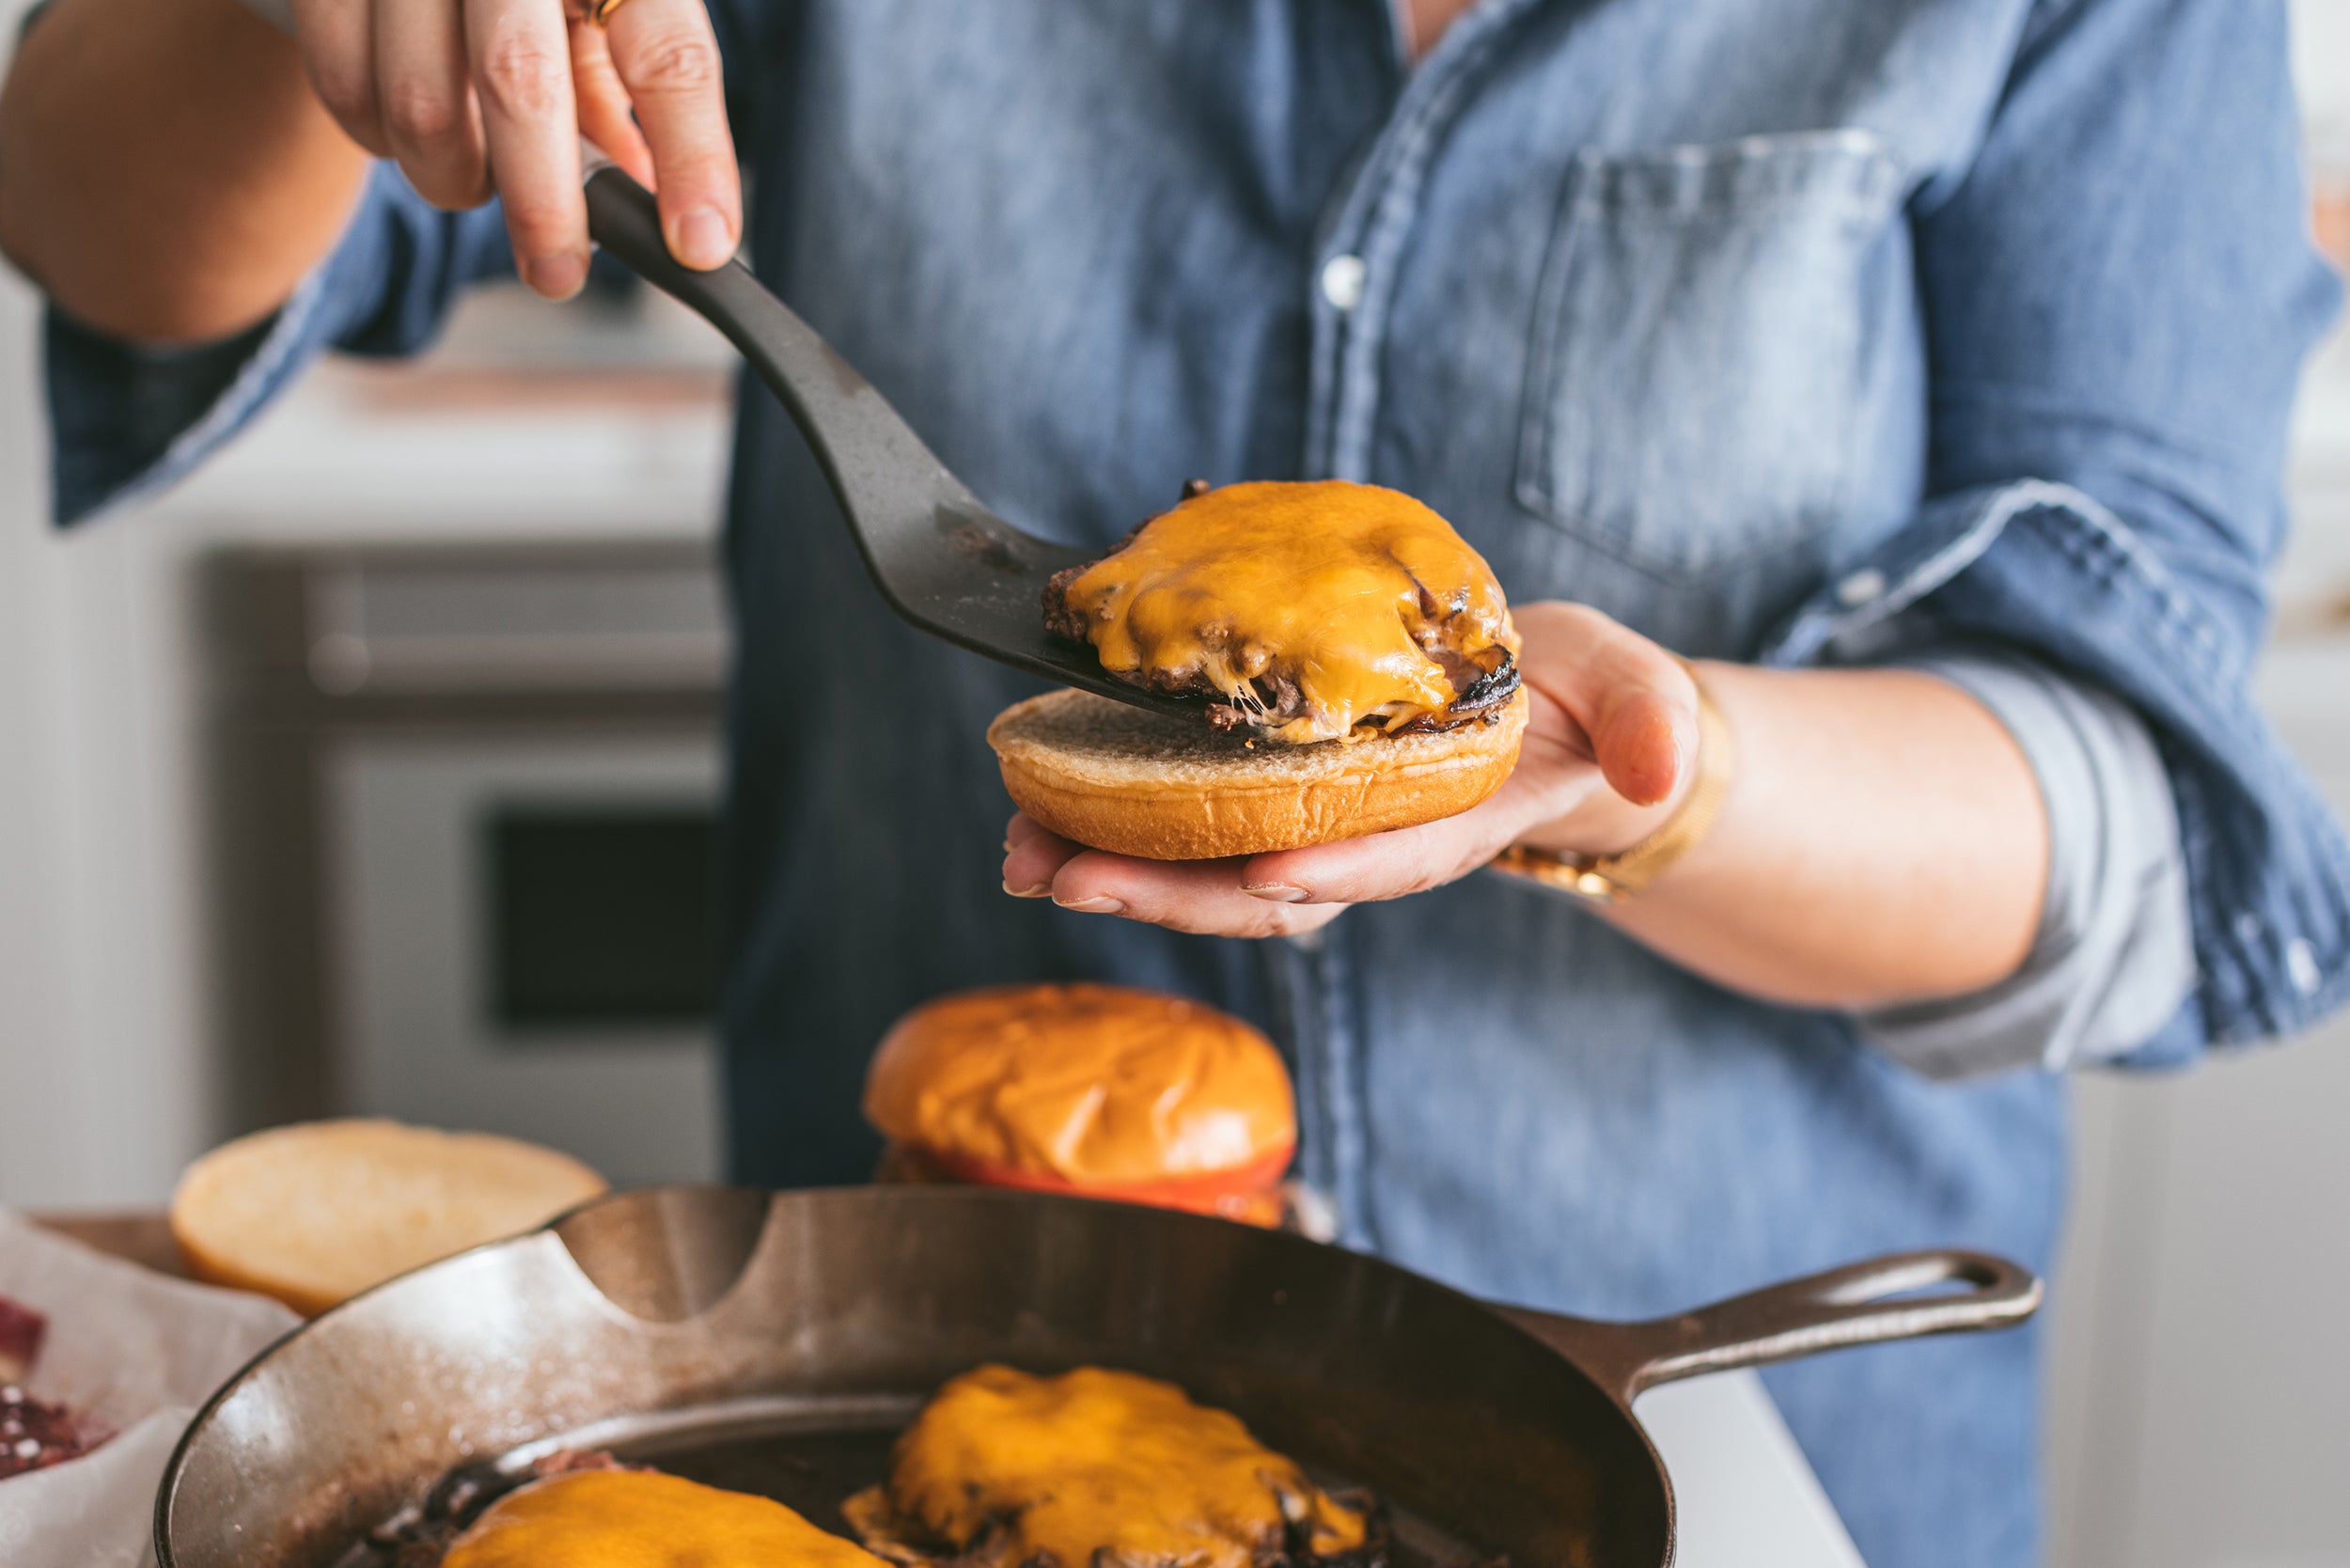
[
  {"x": 644, "y": 1519},
  {"x": 1346, "y": 592},
  {"x": 1101, "y": 1462}
]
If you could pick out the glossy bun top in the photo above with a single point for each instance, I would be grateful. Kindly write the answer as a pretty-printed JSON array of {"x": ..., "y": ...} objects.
[{"x": 1084, "y": 1085}]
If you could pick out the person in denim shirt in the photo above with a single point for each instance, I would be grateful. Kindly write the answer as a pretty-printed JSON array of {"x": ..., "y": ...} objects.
[{"x": 1919, "y": 367}]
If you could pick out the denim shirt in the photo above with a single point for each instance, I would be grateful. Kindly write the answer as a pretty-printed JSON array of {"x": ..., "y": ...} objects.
[{"x": 1791, "y": 333}]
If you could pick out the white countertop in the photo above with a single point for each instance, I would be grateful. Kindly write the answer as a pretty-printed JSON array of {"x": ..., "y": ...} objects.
[{"x": 1745, "y": 1495}]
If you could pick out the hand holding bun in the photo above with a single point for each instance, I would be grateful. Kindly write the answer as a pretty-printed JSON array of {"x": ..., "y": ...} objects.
[{"x": 1609, "y": 741}]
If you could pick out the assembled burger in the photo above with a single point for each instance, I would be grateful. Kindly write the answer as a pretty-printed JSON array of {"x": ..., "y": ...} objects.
[
  {"x": 1100, "y": 1091},
  {"x": 1354, "y": 658}
]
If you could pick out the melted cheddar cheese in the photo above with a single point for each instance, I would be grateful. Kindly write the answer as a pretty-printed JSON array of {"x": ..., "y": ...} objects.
[
  {"x": 1100, "y": 1461},
  {"x": 1347, "y": 592},
  {"x": 644, "y": 1519},
  {"x": 1096, "y": 1085}
]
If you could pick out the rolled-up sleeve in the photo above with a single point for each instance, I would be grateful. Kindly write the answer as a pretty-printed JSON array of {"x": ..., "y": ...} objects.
[
  {"x": 128, "y": 420},
  {"x": 2114, "y": 954},
  {"x": 2119, "y": 294}
]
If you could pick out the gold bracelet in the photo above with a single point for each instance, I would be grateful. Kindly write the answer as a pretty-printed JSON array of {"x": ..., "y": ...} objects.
[{"x": 1607, "y": 878}]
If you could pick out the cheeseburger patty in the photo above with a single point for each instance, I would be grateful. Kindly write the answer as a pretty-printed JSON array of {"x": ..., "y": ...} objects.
[
  {"x": 1101, "y": 1469},
  {"x": 1246, "y": 655}
]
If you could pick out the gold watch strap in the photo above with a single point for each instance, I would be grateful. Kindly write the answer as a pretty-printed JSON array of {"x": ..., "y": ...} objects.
[{"x": 1605, "y": 878}]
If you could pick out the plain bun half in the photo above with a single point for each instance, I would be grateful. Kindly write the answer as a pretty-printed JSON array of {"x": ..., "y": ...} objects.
[{"x": 317, "y": 1212}]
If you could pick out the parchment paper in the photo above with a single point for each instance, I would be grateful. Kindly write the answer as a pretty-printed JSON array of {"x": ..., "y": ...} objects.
[{"x": 133, "y": 1351}]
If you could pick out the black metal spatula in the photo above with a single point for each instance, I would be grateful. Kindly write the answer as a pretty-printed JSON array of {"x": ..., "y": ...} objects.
[{"x": 941, "y": 559}]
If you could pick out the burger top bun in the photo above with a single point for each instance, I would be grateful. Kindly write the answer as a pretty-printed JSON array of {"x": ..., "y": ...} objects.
[
  {"x": 1087, "y": 1087},
  {"x": 318, "y": 1212}
]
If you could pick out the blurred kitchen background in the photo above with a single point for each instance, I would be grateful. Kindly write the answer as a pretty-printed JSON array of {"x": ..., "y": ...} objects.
[{"x": 301, "y": 764}]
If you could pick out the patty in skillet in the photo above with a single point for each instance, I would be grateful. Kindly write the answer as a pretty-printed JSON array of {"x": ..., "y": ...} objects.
[
  {"x": 1001, "y": 1470},
  {"x": 1097, "y": 1469}
]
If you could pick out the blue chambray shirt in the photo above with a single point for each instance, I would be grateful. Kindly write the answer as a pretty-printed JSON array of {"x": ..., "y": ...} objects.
[{"x": 1785, "y": 332}]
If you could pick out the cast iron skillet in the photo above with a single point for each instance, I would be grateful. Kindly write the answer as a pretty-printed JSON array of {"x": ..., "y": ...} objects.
[{"x": 773, "y": 1341}]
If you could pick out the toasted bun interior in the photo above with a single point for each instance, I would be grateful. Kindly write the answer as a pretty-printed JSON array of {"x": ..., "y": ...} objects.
[
  {"x": 316, "y": 1213},
  {"x": 1098, "y": 1087},
  {"x": 1123, "y": 779}
]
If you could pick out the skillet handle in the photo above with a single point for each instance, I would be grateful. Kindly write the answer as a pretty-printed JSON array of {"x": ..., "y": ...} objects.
[{"x": 1844, "y": 1307}]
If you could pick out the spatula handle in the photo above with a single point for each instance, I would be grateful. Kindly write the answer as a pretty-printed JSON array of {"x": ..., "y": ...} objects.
[{"x": 877, "y": 466}]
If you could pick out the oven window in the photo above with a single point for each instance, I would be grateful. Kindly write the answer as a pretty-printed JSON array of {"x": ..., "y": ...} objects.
[{"x": 601, "y": 915}]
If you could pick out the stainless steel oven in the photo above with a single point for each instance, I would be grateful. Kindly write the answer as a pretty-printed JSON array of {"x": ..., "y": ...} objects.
[{"x": 466, "y": 831}]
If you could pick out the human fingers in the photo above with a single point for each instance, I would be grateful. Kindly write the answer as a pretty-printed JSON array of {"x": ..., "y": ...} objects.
[
  {"x": 1033, "y": 856},
  {"x": 424, "y": 92},
  {"x": 1414, "y": 859},
  {"x": 336, "y": 40},
  {"x": 521, "y": 57},
  {"x": 605, "y": 118},
  {"x": 668, "y": 58},
  {"x": 1635, "y": 703},
  {"x": 1021, "y": 828},
  {"x": 1203, "y": 897}
]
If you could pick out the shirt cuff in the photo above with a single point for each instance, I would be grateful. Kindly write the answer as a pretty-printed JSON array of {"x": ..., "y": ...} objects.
[
  {"x": 128, "y": 420},
  {"x": 2113, "y": 959}
]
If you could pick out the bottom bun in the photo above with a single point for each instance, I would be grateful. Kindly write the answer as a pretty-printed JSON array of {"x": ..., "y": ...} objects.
[{"x": 1136, "y": 782}]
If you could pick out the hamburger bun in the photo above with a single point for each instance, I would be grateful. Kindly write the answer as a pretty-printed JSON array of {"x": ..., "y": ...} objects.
[
  {"x": 1103, "y": 1090},
  {"x": 316, "y": 1213},
  {"x": 1135, "y": 783}
]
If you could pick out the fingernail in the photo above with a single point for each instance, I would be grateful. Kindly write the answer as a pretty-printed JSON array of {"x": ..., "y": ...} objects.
[
  {"x": 559, "y": 276},
  {"x": 702, "y": 240},
  {"x": 1093, "y": 907},
  {"x": 1033, "y": 890},
  {"x": 1274, "y": 892}
]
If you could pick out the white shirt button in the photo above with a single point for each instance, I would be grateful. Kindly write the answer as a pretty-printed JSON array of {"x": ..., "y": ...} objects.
[
  {"x": 2301, "y": 967},
  {"x": 1342, "y": 282},
  {"x": 1860, "y": 587}
]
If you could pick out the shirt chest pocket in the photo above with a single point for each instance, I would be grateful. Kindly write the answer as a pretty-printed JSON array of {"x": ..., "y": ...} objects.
[{"x": 1699, "y": 347}]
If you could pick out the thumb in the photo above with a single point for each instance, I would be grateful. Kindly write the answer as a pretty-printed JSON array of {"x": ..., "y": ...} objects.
[
  {"x": 1643, "y": 744},
  {"x": 1636, "y": 701}
]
